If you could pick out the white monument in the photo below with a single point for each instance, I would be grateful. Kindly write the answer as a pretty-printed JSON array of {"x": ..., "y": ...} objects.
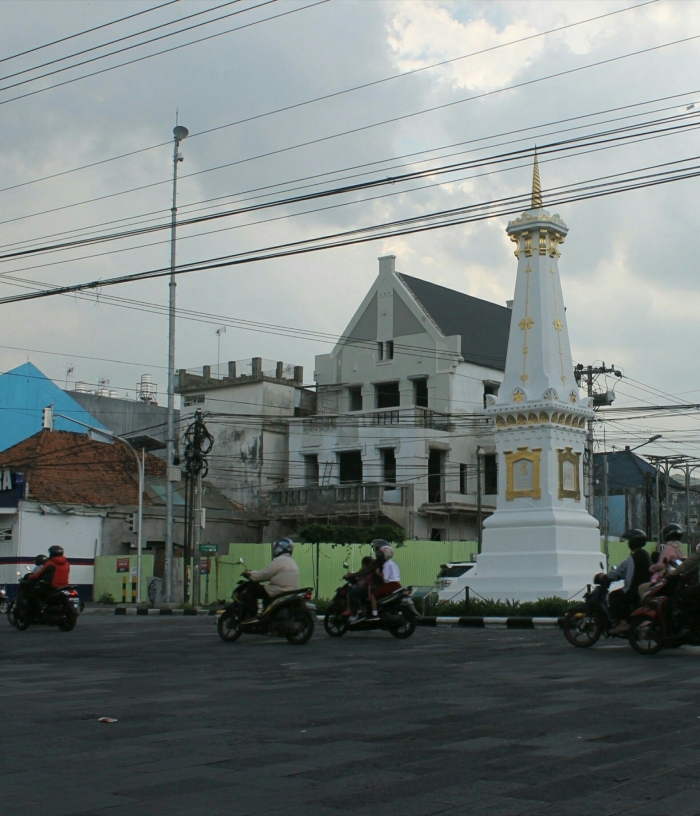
[{"x": 541, "y": 541}]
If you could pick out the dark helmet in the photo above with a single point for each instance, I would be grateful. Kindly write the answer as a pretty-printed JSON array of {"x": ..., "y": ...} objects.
[
  {"x": 39, "y": 560},
  {"x": 672, "y": 532},
  {"x": 635, "y": 539},
  {"x": 283, "y": 546},
  {"x": 55, "y": 551}
]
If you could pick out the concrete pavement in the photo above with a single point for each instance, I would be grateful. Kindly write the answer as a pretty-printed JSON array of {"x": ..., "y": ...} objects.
[{"x": 452, "y": 721}]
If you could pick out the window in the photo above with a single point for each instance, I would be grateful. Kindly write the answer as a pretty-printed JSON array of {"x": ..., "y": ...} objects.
[
  {"x": 462, "y": 478},
  {"x": 436, "y": 534},
  {"x": 420, "y": 392},
  {"x": 193, "y": 399},
  {"x": 490, "y": 388},
  {"x": 490, "y": 474},
  {"x": 350, "y": 466},
  {"x": 389, "y": 465},
  {"x": 311, "y": 470},
  {"x": 436, "y": 463},
  {"x": 355, "y": 398},
  {"x": 6, "y": 534},
  {"x": 387, "y": 395},
  {"x": 385, "y": 350}
]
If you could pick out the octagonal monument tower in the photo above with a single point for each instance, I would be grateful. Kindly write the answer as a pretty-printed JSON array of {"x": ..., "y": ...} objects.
[{"x": 541, "y": 541}]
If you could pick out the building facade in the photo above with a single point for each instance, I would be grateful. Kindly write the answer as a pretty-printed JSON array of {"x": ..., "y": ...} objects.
[{"x": 399, "y": 415}]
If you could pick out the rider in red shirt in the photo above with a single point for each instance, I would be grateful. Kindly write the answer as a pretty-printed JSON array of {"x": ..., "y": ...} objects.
[{"x": 56, "y": 569}]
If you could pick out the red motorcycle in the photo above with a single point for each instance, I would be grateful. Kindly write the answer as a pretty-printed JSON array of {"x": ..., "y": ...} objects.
[{"x": 658, "y": 623}]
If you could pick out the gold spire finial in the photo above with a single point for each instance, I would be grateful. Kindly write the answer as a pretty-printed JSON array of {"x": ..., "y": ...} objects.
[{"x": 536, "y": 202}]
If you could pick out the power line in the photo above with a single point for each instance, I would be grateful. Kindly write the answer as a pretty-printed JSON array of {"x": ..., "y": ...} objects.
[
  {"x": 360, "y": 128},
  {"x": 333, "y": 94},
  {"x": 118, "y": 40},
  {"x": 167, "y": 50},
  {"x": 676, "y": 124},
  {"x": 88, "y": 31}
]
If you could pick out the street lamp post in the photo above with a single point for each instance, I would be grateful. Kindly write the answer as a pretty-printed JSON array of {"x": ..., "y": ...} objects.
[
  {"x": 179, "y": 133},
  {"x": 479, "y": 451}
]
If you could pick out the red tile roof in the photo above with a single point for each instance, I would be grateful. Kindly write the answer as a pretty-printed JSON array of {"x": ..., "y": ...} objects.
[{"x": 65, "y": 467}]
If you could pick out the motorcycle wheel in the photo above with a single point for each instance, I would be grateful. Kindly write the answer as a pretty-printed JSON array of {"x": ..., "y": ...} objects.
[
  {"x": 229, "y": 625},
  {"x": 334, "y": 623},
  {"x": 302, "y": 617},
  {"x": 580, "y": 628},
  {"x": 15, "y": 620},
  {"x": 404, "y": 630},
  {"x": 644, "y": 636},
  {"x": 70, "y": 621}
]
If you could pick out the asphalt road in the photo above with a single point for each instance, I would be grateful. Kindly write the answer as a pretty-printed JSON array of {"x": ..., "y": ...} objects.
[{"x": 452, "y": 721}]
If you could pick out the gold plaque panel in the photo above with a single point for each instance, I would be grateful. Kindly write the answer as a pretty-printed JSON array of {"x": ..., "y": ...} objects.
[
  {"x": 569, "y": 474},
  {"x": 523, "y": 474}
]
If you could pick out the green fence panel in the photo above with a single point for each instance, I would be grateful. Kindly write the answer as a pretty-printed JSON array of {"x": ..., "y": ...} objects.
[{"x": 110, "y": 582}]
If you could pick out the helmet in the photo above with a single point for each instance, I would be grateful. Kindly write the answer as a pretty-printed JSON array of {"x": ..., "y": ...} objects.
[
  {"x": 388, "y": 552},
  {"x": 635, "y": 539},
  {"x": 672, "y": 532},
  {"x": 40, "y": 559},
  {"x": 377, "y": 544},
  {"x": 282, "y": 546},
  {"x": 55, "y": 550}
]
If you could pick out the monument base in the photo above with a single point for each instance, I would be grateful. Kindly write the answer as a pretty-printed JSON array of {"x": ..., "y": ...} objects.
[{"x": 527, "y": 564}]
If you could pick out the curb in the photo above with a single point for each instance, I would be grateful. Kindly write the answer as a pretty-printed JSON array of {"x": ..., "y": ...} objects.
[
  {"x": 493, "y": 623},
  {"x": 143, "y": 611}
]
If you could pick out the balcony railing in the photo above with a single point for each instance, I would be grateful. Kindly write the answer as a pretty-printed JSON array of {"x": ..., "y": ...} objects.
[
  {"x": 409, "y": 417},
  {"x": 333, "y": 499}
]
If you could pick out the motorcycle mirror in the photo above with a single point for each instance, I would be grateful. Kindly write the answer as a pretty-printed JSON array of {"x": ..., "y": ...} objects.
[
  {"x": 602, "y": 567},
  {"x": 240, "y": 561},
  {"x": 345, "y": 565}
]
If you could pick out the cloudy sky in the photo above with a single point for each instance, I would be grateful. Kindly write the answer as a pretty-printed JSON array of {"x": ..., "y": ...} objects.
[{"x": 628, "y": 265}]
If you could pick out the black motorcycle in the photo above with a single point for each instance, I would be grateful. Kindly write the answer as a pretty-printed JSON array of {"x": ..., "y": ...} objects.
[
  {"x": 396, "y": 614},
  {"x": 4, "y": 600},
  {"x": 585, "y": 623},
  {"x": 660, "y": 622},
  {"x": 290, "y": 615},
  {"x": 61, "y": 607}
]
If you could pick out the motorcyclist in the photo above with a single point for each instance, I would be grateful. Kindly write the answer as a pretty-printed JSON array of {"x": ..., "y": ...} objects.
[
  {"x": 23, "y": 593},
  {"x": 689, "y": 595},
  {"x": 282, "y": 574},
  {"x": 634, "y": 570},
  {"x": 670, "y": 551},
  {"x": 54, "y": 573},
  {"x": 388, "y": 572}
]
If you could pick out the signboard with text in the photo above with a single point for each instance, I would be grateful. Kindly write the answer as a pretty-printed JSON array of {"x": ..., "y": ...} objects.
[
  {"x": 209, "y": 548},
  {"x": 122, "y": 565}
]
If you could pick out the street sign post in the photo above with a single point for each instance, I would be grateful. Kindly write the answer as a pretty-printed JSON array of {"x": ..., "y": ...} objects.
[{"x": 209, "y": 548}]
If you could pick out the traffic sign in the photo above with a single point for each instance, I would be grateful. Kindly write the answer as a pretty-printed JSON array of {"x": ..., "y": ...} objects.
[{"x": 208, "y": 548}]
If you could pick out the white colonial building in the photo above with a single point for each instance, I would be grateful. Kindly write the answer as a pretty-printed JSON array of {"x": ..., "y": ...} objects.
[{"x": 400, "y": 403}]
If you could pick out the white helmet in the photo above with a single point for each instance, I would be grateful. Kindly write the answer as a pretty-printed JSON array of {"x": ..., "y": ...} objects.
[
  {"x": 282, "y": 546},
  {"x": 388, "y": 551}
]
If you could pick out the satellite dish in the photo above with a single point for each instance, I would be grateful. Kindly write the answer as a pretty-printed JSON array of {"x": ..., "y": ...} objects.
[{"x": 180, "y": 132}]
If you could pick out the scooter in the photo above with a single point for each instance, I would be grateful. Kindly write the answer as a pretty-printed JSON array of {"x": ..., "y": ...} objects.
[
  {"x": 61, "y": 607},
  {"x": 290, "y": 615},
  {"x": 584, "y": 623},
  {"x": 656, "y": 624},
  {"x": 397, "y": 613}
]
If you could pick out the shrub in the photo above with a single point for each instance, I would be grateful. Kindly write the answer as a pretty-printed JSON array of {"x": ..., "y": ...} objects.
[
  {"x": 106, "y": 598},
  {"x": 480, "y": 607}
]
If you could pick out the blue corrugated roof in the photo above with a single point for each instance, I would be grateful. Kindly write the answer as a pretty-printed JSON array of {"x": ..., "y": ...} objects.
[
  {"x": 625, "y": 469},
  {"x": 24, "y": 393}
]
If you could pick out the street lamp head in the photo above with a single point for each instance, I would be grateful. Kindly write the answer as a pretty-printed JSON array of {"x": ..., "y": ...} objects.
[
  {"x": 180, "y": 132},
  {"x": 654, "y": 438}
]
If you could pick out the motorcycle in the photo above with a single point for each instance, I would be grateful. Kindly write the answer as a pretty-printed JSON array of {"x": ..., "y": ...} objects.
[
  {"x": 585, "y": 623},
  {"x": 290, "y": 615},
  {"x": 61, "y": 607},
  {"x": 4, "y": 600},
  {"x": 657, "y": 624},
  {"x": 397, "y": 613}
]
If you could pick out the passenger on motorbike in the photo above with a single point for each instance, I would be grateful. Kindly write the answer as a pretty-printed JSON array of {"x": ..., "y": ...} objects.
[
  {"x": 54, "y": 573},
  {"x": 689, "y": 595},
  {"x": 388, "y": 573},
  {"x": 634, "y": 570},
  {"x": 670, "y": 552},
  {"x": 282, "y": 574}
]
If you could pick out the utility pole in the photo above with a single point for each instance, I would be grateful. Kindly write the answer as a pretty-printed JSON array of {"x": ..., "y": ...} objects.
[
  {"x": 590, "y": 374},
  {"x": 478, "y": 500},
  {"x": 198, "y": 444},
  {"x": 179, "y": 133}
]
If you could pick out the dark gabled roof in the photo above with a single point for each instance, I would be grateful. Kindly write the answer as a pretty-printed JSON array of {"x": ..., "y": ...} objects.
[
  {"x": 483, "y": 326},
  {"x": 626, "y": 469}
]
